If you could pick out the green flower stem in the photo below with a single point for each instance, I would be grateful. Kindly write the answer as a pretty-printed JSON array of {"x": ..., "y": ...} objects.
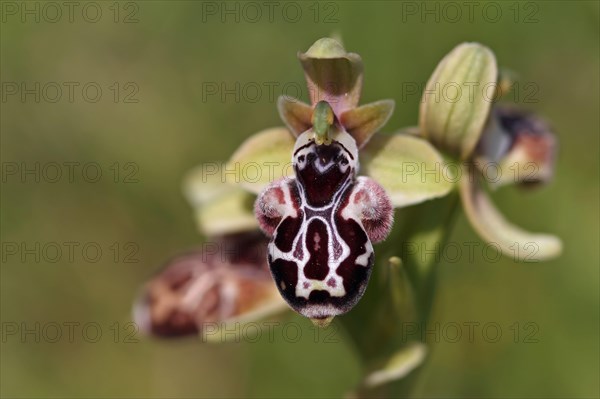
[{"x": 401, "y": 293}]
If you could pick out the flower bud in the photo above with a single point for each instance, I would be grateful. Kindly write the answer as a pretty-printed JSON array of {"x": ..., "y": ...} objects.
[{"x": 457, "y": 99}]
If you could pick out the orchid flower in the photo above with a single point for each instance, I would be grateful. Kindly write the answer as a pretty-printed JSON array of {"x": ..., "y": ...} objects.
[
  {"x": 327, "y": 186},
  {"x": 518, "y": 146},
  {"x": 226, "y": 283}
]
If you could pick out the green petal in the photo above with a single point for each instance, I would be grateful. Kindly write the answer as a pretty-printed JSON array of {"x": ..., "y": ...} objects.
[
  {"x": 457, "y": 99},
  {"x": 332, "y": 74},
  {"x": 231, "y": 212},
  {"x": 295, "y": 114},
  {"x": 366, "y": 120},
  {"x": 262, "y": 158},
  {"x": 232, "y": 330},
  {"x": 511, "y": 240},
  {"x": 219, "y": 207},
  {"x": 204, "y": 183},
  {"x": 399, "y": 365},
  {"x": 409, "y": 168}
]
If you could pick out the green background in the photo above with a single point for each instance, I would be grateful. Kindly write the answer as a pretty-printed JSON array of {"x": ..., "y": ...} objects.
[{"x": 169, "y": 54}]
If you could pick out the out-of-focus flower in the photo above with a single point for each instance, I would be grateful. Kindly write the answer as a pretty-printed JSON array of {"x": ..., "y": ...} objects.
[
  {"x": 522, "y": 146},
  {"x": 519, "y": 147},
  {"x": 225, "y": 283}
]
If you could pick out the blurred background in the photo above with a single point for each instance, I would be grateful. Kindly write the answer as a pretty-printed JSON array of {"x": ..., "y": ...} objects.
[{"x": 119, "y": 99}]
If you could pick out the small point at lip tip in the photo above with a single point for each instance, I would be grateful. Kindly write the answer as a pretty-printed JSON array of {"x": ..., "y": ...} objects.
[{"x": 323, "y": 323}]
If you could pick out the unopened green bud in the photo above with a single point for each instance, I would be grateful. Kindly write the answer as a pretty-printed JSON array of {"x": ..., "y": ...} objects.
[{"x": 457, "y": 99}]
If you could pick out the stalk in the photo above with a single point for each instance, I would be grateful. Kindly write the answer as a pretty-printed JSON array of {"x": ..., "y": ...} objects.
[{"x": 401, "y": 293}]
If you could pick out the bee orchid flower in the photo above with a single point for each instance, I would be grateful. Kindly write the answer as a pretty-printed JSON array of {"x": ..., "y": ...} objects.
[
  {"x": 202, "y": 291},
  {"x": 326, "y": 186}
]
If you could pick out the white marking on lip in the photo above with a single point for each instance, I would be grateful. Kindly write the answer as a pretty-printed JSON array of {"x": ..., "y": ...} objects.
[
  {"x": 287, "y": 198},
  {"x": 363, "y": 259}
]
